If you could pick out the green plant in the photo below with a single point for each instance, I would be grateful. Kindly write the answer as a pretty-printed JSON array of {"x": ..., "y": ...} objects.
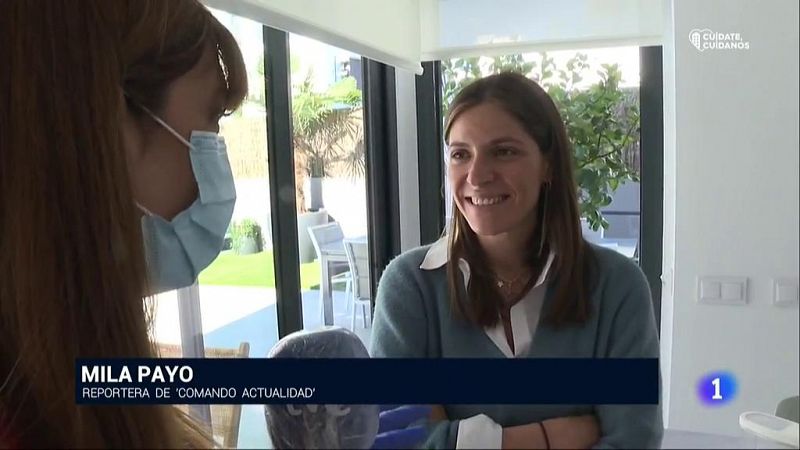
[
  {"x": 321, "y": 121},
  {"x": 324, "y": 123},
  {"x": 602, "y": 119},
  {"x": 244, "y": 230}
]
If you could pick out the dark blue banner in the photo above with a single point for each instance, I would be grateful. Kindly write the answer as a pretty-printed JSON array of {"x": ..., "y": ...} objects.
[{"x": 367, "y": 381}]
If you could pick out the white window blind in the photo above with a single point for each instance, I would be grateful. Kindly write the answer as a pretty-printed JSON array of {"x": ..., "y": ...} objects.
[
  {"x": 402, "y": 33},
  {"x": 382, "y": 30},
  {"x": 452, "y": 28}
]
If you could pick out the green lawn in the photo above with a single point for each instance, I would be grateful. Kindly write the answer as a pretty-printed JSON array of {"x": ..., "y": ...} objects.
[{"x": 258, "y": 269}]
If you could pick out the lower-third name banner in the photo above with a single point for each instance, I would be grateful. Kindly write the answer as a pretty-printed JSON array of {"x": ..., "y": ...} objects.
[{"x": 367, "y": 381}]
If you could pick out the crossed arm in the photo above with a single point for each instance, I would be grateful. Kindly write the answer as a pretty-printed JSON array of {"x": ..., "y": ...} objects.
[{"x": 562, "y": 432}]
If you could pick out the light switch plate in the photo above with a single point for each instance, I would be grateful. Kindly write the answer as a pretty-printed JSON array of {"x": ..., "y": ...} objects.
[
  {"x": 732, "y": 291},
  {"x": 710, "y": 289},
  {"x": 722, "y": 290},
  {"x": 785, "y": 292}
]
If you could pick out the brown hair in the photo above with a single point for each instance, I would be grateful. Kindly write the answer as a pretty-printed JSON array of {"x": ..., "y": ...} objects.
[
  {"x": 72, "y": 269},
  {"x": 572, "y": 269}
]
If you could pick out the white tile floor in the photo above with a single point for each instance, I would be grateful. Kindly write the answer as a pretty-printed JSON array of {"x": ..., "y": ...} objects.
[
  {"x": 219, "y": 306},
  {"x": 222, "y": 306}
]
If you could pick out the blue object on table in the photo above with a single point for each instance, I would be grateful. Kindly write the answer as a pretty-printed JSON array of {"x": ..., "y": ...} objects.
[{"x": 402, "y": 426}]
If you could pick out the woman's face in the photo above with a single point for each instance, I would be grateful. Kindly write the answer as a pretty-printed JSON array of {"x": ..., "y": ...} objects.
[
  {"x": 159, "y": 164},
  {"x": 496, "y": 171}
]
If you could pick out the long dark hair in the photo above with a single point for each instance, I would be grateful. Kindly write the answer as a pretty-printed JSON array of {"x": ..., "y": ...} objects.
[
  {"x": 72, "y": 268},
  {"x": 559, "y": 226}
]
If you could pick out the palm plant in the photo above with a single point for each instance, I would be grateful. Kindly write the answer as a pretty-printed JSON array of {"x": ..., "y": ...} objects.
[
  {"x": 354, "y": 161},
  {"x": 322, "y": 122}
]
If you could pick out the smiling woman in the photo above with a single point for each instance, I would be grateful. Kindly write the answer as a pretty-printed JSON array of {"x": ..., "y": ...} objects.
[
  {"x": 510, "y": 174},
  {"x": 497, "y": 172},
  {"x": 514, "y": 278}
]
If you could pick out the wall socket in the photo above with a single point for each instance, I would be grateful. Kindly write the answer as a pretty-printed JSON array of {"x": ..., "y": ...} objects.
[
  {"x": 725, "y": 290},
  {"x": 719, "y": 290},
  {"x": 785, "y": 292}
]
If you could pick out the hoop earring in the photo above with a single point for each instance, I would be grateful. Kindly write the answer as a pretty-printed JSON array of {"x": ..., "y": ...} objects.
[{"x": 543, "y": 234}]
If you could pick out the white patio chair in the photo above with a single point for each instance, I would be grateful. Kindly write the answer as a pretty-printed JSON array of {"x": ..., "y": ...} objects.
[
  {"x": 358, "y": 259},
  {"x": 339, "y": 270}
]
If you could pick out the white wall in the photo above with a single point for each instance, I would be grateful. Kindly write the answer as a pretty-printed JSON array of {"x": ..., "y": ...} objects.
[
  {"x": 668, "y": 237},
  {"x": 731, "y": 206},
  {"x": 407, "y": 162}
]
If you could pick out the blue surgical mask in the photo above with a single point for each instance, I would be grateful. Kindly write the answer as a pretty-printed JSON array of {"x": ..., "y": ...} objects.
[{"x": 179, "y": 249}]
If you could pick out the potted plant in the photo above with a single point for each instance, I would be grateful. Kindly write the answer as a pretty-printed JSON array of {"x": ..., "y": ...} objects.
[
  {"x": 246, "y": 237},
  {"x": 322, "y": 122}
]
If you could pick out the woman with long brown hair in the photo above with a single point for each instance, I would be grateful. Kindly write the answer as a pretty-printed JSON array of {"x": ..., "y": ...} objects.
[
  {"x": 113, "y": 185},
  {"x": 513, "y": 277}
]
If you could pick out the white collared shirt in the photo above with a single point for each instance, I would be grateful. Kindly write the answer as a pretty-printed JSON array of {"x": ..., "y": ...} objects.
[
  {"x": 524, "y": 315},
  {"x": 481, "y": 431}
]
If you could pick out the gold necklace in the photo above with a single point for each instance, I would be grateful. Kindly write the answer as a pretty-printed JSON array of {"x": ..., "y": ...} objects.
[{"x": 508, "y": 284}]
